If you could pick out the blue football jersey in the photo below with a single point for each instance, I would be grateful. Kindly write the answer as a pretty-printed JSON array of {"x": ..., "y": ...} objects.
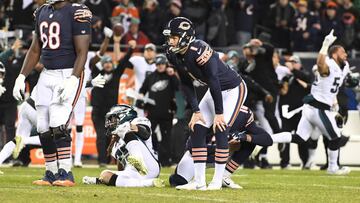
[{"x": 56, "y": 28}]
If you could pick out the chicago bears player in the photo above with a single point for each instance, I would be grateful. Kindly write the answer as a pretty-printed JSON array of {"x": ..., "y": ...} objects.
[
  {"x": 244, "y": 131},
  {"x": 131, "y": 145},
  {"x": 316, "y": 111},
  {"x": 61, "y": 40},
  {"x": 199, "y": 65}
]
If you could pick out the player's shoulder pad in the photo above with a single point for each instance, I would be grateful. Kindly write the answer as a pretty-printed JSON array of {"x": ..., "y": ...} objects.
[
  {"x": 202, "y": 51},
  {"x": 37, "y": 11},
  {"x": 81, "y": 13},
  {"x": 141, "y": 121}
]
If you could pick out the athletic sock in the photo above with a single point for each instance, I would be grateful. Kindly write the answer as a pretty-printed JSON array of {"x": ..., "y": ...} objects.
[
  {"x": 63, "y": 145},
  {"x": 33, "y": 140},
  {"x": 7, "y": 151},
  {"x": 79, "y": 146},
  {"x": 221, "y": 156},
  {"x": 231, "y": 167},
  {"x": 199, "y": 175},
  {"x": 49, "y": 150},
  {"x": 283, "y": 137},
  {"x": 333, "y": 157},
  {"x": 227, "y": 173}
]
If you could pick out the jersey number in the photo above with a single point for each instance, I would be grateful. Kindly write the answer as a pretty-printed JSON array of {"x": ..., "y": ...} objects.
[
  {"x": 336, "y": 85},
  {"x": 51, "y": 38}
]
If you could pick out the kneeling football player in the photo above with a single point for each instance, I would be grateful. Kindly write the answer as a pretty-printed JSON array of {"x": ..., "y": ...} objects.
[
  {"x": 131, "y": 146},
  {"x": 244, "y": 132}
]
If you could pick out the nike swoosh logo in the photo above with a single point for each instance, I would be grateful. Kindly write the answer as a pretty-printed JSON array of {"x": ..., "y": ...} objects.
[{"x": 227, "y": 183}]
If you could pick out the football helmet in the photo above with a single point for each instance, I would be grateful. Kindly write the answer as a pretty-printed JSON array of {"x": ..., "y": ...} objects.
[
  {"x": 182, "y": 27},
  {"x": 118, "y": 115},
  {"x": 161, "y": 59}
]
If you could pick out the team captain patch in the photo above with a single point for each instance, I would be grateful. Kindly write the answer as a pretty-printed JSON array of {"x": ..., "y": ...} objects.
[{"x": 205, "y": 56}]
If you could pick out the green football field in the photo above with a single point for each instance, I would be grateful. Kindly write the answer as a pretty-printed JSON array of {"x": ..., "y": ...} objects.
[{"x": 259, "y": 186}]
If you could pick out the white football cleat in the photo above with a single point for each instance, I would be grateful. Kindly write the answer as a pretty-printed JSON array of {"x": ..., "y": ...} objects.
[
  {"x": 157, "y": 182},
  {"x": 89, "y": 180},
  {"x": 18, "y": 147},
  {"x": 339, "y": 171},
  {"x": 214, "y": 186},
  {"x": 139, "y": 164},
  {"x": 192, "y": 185},
  {"x": 227, "y": 182}
]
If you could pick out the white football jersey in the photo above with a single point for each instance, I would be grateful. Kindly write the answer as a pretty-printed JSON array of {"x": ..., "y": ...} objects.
[
  {"x": 141, "y": 67},
  {"x": 148, "y": 143},
  {"x": 325, "y": 89}
]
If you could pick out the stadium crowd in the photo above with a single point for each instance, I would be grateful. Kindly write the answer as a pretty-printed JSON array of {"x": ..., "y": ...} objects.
[{"x": 248, "y": 32}]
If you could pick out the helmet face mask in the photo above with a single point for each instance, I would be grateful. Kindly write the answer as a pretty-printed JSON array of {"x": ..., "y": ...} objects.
[
  {"x": 118, "y": 115},
  {"x": 53, "y": 1},
  {"x": 184, "y": 29}
]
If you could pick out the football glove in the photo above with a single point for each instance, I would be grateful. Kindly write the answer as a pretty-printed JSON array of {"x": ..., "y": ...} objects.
[
  {"x": 122, "y": 129},
  {"x": 328, "y": 41},
  {"x": 68, "y": 88},
  {"x": 239, "y": 136},
  {"x": 2, "y": 90},
  {"x": 19, "y": 88},
  {"x": 98, "y": 81},
  {"x": 108, "y": 32}
]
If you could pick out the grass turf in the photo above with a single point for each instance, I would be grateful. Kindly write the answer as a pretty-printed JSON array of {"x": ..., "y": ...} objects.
[{"x": 259, "y": 186}]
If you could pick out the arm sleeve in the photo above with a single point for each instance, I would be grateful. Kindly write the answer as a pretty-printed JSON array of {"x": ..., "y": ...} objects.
[
  {"x": 210, "y": 70},
  {"x": 145, "y": 86},
  {"x": 81, "y": 24},
  {"x": 123, "y": 63},
  {"x": 143, "y": 132}
]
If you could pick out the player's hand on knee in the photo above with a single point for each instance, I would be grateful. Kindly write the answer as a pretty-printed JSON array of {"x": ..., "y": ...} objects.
[
  {"x": 196, "y": 117},
  {"x": 219, "y": 123},
  {"x": 19, "y": 88},
  {"x": 122, "y": 129},
  {"x": 68, "y": 88}
]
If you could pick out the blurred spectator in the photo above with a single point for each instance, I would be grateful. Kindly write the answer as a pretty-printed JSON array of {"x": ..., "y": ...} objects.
[
  {"x": 216, "y": 25},
  {"x": 233, "y": 59},
  {"x": 174, "y": 10},
  {"x": 305, "y": 28},
  {"x": 350, "y": 20},
  {"x": 245, "y": 18},
  {"x": 280, "y": 19},
  {"x": 161, "y": 86},
  {"x": 198, "y": 12},
  {"x": 103, "y": 98},
  {"x": 8, "y": 104},
  {"x": 317, "y": 7},
  {"x": 97, "y": 35},
  {"x": 151, "y": 21},
  {"x": 295, "y": 86},
  {"x": 331, "y": 21},
  {"x": 20, "y": 12},
  {"x": 124, "y": 12},
  {"x": 135, "y": 34},
  {"x": 100, "y": 8}
]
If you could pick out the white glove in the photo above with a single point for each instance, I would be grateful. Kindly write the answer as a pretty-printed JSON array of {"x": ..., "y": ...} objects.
[
  {"x": 68, "y": 87},
  {"x": 98, "y": 81},
  {"x": 2, "y": 90},
  {"x": 19, "y": 88},
  {"x": 329, "y": 39},
  {"x": 122, "y": 129},
  {"x": 108, "y": 32}
]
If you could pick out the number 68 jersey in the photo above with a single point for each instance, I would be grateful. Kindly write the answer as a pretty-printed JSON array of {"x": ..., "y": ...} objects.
[
  {"x": 56, "y": 28},
  {"x": 325, "y": 89}
]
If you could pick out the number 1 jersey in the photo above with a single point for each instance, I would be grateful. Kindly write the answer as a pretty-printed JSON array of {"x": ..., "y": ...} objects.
[
  {"x": 325, "y": 89},
  {"x": 56, "y": 28}
]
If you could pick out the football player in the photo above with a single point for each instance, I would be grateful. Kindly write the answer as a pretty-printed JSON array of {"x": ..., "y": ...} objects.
[
  {"x": 26, "y": 122},
  {"x": 199, "y": 65},
  {"x": 131, "y": 146},
  {"x": 61, "y": 41},
  {"x": 245, "y": 132},
  {"x": 316, "y": 111}
]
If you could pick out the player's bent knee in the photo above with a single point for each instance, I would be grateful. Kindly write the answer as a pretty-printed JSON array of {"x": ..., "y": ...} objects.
[
  {"x": 297, "y": 139},
  {"x": 61, "y": 132},
  {"x": 176, "y": 180},
  {"x": 334, "y": 144},
  {"x": 105, "y": 176}
]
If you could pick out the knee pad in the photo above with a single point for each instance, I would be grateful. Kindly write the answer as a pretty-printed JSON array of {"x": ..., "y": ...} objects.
[
  {"x": 176, "y": 180},
  {"x": 312, "y": 144},
  {"x": 61, "y": 133},
  {"x": 297, "y": 139},
  {"x": 79, "y": 128},
  {"x": 334, "y": 144},
  {"x": 130, "y": 136},
  {"x": 46, "y": 135}
]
